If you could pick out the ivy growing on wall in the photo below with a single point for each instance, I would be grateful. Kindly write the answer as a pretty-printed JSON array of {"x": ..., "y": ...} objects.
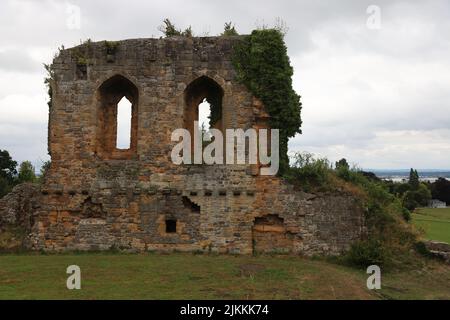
[{"x": 263, "y": 66}]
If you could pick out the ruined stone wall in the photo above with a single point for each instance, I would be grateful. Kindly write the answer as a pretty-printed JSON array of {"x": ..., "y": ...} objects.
[
  {"x": 18, "y": 211},
  {"x": 99, "y": 197}
]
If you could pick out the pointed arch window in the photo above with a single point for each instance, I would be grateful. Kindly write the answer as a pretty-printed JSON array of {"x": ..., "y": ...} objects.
[{"x": 117, "y": 118}]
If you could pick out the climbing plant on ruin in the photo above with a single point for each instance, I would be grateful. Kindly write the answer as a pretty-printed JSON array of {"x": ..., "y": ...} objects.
[{"x": 262, "y": 64}]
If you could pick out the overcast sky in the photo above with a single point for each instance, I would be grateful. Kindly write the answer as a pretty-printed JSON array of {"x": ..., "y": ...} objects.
[{"x": 375, "y": 87}]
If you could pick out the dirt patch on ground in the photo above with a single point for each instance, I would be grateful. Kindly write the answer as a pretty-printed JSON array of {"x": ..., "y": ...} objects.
[{"x": 250, "y": 269}]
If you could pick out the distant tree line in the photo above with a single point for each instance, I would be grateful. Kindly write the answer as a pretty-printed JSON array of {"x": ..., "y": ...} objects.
[
  {"x": 10, "y": 176},
  {"x": 417, "y": 194},
  {"x": 440, "y": 190}
]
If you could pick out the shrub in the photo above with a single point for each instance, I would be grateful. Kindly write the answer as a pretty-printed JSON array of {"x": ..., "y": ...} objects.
[
  {"x": 308, "y": 172},
  {"x": 417, "y": 198},
  {"x": 406, "y": 214},
  {"x": 421, "y": 248},
  {"x": 389, "y": 237},
  {"x": 229, "y": 30},
  {"x": 366, "y": 253},
  {"x": 170, "y": 30}
]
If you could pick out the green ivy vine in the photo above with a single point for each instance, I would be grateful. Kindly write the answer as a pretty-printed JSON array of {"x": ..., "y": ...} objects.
[{"x": 263, "y": 66}]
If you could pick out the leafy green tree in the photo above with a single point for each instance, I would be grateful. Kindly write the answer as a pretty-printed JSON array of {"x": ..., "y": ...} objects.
[
  {"x": 342, "y": 164},
  {"x": 440, "y": 190},
  {"x": 343, "y": 169},
  {"x": 8, "y": 172},
  {"x": 413, "y": 179},
  {"x": 45, "y": 167},
  {"x": 170, "y": 30},
  {"x": 401, "y": 188},
  {"x": 229, "y": 30},
  {"x": 417, "y": 198},
  {"x": 7, "y": 165},
  {"x": 372, "y": 176},
  {"x": 424, "y": 194},
  {"x": 26, "y": 172},
  {"x": 263, "y": 66}
]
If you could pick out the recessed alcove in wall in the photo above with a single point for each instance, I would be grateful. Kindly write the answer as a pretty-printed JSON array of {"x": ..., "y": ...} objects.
[
  {"x": 269, "y": 234},
  {"x": 171, "y": 226},
  {"x": 112, "y": 124}
]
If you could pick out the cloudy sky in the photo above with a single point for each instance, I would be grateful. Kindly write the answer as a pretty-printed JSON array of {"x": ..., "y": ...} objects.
[{"x": 374, "y": 76}]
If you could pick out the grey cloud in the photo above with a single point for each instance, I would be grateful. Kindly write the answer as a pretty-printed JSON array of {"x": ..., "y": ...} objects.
[
  {"x": 413, "y": 40},
  {"x": 18, "y": 61}
]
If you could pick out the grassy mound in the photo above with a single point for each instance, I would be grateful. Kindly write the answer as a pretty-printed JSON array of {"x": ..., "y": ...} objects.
[{"x": 390, "y": 237}]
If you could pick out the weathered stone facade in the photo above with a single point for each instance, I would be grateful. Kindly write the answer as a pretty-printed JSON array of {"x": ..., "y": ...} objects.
[{"x": 99, "y": 197}]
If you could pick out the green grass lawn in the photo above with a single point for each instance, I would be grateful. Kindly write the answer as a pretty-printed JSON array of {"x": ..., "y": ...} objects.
[
  {"x": 435, "y": 222},
  {"x": 189, "y": 276}
]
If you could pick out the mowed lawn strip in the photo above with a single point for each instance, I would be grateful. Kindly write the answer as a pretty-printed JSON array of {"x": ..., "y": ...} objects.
[
  {"x": 189, "y": 276},
  {"x": 435, "y": 222}
]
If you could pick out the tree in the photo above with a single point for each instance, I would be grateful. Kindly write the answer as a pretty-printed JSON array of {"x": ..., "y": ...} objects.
[
  {"x": 342, "y": 169},
  {"x": 44, "y": 171},
  {"x": 8, "y": 172},
  {"x": 401, "y": 188},
  {"x": 229, "y": 30},
  {"x": 7, "y": 165},
  {"x": 342, "y": 164},
  {"x": 371, "y": 176},
  {"x": 440, "y": 190},
  {"x": 424, "y": 195},
  {"x": 26, "y": 172},
  {"x": 170, "y": 30},
  {"x": 417, "y": 198},
  {"x": 413, "y": 179},
  {"x": 5, "y": 187},
  {"x": 45, "y": 167}
]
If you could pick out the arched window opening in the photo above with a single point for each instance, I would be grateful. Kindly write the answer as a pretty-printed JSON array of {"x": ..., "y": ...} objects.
[
  {"x": 203, "y": 103},
  {"x": 204, "y": 117},
  {"x": 123, "y": 139},
  {"x": 200, "y": 93},
  {"x": 117, "y": 118}
]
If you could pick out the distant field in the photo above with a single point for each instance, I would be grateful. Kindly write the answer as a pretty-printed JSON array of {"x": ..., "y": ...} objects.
[
  {"x": 189, "y": 276},
  {"x": 435, "y": 222}
]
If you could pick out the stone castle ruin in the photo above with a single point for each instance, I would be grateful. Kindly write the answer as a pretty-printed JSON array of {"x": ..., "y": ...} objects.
[{"x": 97, "y": 196}]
